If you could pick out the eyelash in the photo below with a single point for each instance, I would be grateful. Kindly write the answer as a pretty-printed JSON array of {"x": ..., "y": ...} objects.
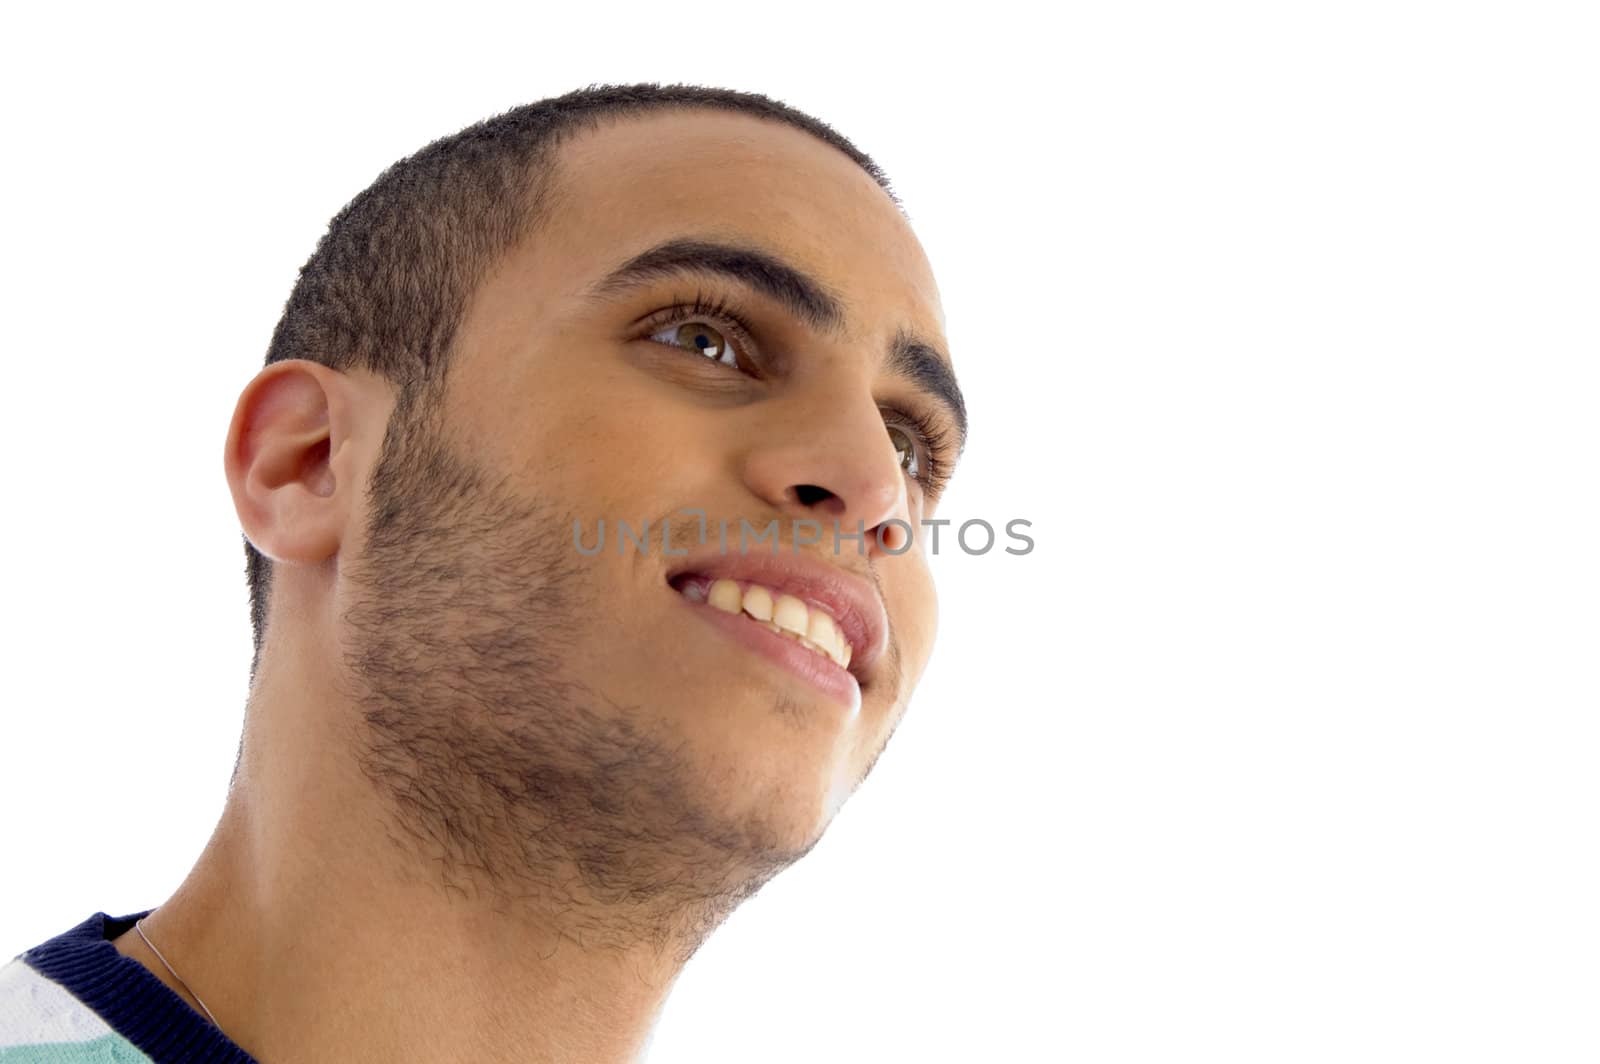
[
  {"x": 718, "y": 309},
  {"x": 934, "y": 438}
]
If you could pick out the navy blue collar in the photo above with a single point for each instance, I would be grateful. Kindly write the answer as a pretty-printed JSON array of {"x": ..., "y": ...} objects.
[{"x": 128, "y": 996}]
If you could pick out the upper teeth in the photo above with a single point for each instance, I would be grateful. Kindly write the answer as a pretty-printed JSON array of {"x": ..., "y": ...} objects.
[{"x": 811, "y": 626}]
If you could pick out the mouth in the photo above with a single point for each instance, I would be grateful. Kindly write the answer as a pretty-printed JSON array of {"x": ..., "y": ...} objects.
[
  {"x": 780, "y": 613},
  {"x": 819, "y": 623}
]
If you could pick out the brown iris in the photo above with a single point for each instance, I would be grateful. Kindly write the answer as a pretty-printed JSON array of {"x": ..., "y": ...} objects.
[
  {"x": 698, "y": 336},
  {"x": 904, "y": 448}
]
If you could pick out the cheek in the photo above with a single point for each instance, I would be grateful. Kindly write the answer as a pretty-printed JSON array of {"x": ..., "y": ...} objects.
[
  {"x": 917, "y": 618},
  {"x": 592, "y": 441}
]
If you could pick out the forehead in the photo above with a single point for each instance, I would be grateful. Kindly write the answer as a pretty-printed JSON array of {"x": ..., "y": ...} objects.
[{"x": 706, "y": 174}]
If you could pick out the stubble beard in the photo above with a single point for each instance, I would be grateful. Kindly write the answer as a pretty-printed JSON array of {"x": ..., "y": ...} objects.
[{"x": 515, "y": 781}]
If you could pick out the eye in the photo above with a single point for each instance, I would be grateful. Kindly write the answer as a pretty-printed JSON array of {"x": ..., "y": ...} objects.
[
  {"x": 709, "y": 326},
  {"x": 699, "y": 337},
  {"x": 905, "y": 449},
  {"x": 923, "y": 446}
]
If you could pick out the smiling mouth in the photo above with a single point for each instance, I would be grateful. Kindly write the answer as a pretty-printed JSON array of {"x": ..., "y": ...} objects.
[{"x": 805, "y": 624}]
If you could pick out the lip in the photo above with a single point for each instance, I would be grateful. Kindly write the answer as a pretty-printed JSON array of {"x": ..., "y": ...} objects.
[
  {"x": 852, "y": 601},
  {"x": 820, "y": 672}
]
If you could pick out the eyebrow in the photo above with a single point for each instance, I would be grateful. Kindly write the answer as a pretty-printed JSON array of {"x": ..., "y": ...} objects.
[
  {"x": 806, "y": 298},
  {"x": 930, "y": 371}
]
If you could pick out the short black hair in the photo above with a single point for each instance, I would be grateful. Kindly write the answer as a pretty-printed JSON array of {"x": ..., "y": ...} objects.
[{"x": 388, "y": 283}]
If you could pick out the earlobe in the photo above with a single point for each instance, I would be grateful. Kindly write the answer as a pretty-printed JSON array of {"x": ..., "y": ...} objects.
[{"x": 278, "y": 461}]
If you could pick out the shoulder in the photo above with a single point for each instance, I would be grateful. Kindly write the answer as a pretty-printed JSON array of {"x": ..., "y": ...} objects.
[{"x": 42, "y": 1022}]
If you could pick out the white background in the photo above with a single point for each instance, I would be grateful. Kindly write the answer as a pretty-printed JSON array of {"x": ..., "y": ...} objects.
[{"x": 1279, "y": 321}]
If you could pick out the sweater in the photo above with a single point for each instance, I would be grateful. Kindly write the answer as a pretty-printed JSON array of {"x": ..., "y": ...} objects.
[{"x": 75, "y": 1000}]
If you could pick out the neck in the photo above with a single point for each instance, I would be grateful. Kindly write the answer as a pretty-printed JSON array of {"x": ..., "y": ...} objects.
[{"x": 316, "y": 929}]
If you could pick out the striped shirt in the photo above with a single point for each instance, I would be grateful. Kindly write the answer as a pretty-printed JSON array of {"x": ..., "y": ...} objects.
[{"x": 76, "y": 1000}]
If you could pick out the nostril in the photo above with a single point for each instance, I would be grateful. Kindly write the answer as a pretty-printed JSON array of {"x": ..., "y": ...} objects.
[{"x": 810, "y": 495}]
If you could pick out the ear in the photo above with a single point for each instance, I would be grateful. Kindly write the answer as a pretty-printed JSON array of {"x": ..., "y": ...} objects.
[{"x": 295, "y": 458}]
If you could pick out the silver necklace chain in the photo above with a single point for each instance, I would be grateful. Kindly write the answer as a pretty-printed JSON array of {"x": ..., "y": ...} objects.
[{"x": 175, "y": 975}]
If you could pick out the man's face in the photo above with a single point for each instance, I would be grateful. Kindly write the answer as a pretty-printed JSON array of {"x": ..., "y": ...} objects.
[{"x": 573, "y": 400}]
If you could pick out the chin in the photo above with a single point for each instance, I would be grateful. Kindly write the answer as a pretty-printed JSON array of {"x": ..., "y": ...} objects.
[{"x": 779, "y": 799}]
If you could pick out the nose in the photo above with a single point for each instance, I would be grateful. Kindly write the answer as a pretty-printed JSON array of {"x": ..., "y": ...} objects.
[{"x": 828, "y": 457}]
